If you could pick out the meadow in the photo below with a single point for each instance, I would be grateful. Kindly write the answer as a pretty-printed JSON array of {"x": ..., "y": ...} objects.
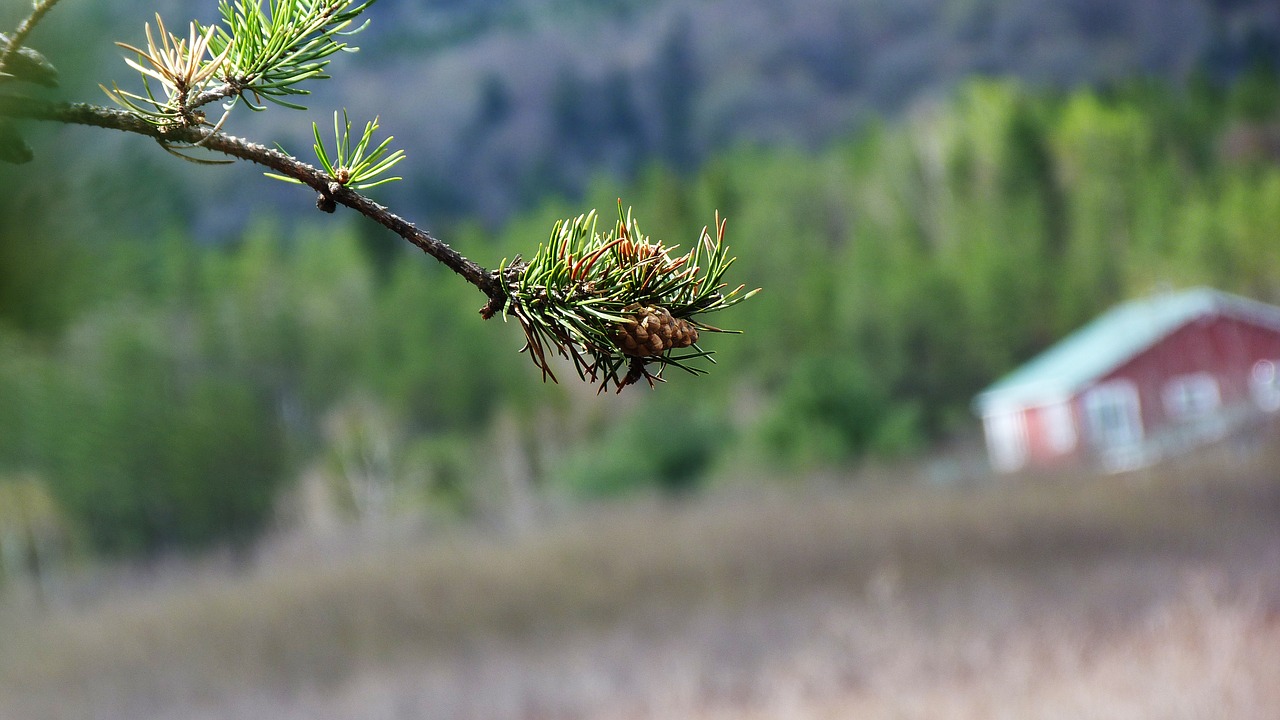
[{"x": 1149, "y": 595}]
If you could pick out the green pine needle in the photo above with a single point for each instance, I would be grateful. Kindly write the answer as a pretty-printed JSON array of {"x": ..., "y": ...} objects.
[
  {"x": 254, "y": 54},
  {"x": 358, "y": 168},
  {"x": 583, "y": 288},
  {"x": 271, "y": 52}
]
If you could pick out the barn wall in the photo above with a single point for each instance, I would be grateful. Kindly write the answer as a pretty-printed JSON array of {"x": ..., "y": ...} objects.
[
  {"x": 1053, "y": 434},
  {"x": 1225, "y": 347}
]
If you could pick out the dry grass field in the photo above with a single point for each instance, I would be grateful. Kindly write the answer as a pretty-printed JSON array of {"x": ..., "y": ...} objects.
[{"x": 1151, "y": 595}]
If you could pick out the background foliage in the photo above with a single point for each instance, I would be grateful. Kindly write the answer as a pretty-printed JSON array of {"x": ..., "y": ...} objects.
[
  {"x": 905, "y": 268},
  {"x": 169, "y": 374}
]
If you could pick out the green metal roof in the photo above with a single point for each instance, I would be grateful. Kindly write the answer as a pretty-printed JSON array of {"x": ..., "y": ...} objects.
[{"x": 1110, "y": 340}]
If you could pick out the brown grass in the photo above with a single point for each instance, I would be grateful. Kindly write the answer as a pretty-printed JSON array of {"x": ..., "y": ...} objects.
[{"x": 1155, "y": 595}]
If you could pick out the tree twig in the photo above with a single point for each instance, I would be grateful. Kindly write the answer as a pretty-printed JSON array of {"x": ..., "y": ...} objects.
[
  {"x": 328, "y": 188},
  {"x": 19, "y": 37}
]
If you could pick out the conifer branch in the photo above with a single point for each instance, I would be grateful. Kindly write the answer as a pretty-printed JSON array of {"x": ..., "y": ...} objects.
[
  {"x": 613, "y": 303},
  {"x": 16, "y": 41},
  {"x": 328, "y": 189},
  {"x": 19, "y": 63},
  {"x": 616, "y": 300}
]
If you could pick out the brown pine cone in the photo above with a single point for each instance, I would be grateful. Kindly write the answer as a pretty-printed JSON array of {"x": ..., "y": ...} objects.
[{"x": 652, "y": 331}]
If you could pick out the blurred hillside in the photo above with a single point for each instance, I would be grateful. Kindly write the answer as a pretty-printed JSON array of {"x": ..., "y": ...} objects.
[
  {"x": 519, "y": 98},
  {"x": 502, "y": 103}
]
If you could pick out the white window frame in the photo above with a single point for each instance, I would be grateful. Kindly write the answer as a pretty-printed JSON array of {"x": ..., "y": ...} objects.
[
  {"x": 1113, "y": 413},
  {"x": 1194, "y": 396}
]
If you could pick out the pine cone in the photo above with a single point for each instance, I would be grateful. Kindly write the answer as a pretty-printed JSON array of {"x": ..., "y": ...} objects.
[{"x": 652, "y": 331}]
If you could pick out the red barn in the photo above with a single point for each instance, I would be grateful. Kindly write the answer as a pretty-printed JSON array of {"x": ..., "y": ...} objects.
[{"x": 1147, "y": 379}]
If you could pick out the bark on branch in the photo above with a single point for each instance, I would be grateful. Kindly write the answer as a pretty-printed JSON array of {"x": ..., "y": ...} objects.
[{"x": 329, "y": 190}]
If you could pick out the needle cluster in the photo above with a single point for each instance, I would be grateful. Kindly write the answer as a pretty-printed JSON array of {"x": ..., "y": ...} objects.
[
  {"x": 619, "y": 306},
  {"x": 254, "y": 55}
]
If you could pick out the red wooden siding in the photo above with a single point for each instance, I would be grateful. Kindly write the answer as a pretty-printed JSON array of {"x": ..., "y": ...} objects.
[
  {"x": 1049, "y": 442},
  {"x": 1224, "y": 347}
]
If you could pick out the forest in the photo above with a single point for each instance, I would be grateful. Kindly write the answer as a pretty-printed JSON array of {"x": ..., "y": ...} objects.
[{"x": 161, "y": 392}]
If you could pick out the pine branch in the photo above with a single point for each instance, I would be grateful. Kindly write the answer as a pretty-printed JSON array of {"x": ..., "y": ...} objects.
[
  {"x": 21, "y": 64},
  {"x": 614, "y": 304},
  {"x": 19, "y": 37},
  {"x": 328, "y": 188}
]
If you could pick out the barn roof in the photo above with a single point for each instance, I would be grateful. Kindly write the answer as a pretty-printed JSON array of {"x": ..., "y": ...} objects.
[{"x": 1110, "y": 340}]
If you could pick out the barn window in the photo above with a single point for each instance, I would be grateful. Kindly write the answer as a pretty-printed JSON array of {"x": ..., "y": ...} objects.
[
  {"x": 1188, "y": 397},
  {"x": 1007, "y": 440},
  {"x": 1264, "y": 383},
  {"x": 1114, "y": 414}
]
